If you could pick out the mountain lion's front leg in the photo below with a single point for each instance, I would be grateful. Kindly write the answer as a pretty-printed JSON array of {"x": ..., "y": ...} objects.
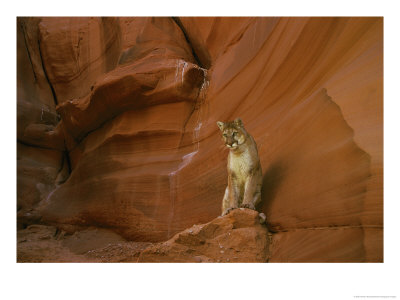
[
  {"x": 231, "y": 198},
  {"x": 252, "y": 192}
]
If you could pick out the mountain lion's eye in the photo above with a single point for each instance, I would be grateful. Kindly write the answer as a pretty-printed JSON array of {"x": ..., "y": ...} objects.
[
  {"x": 225, "y": 135},
  {"x": 235, "y": 133}
]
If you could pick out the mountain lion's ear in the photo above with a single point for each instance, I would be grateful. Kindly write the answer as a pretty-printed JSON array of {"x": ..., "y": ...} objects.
[
  {"x": 238, "y": 122},
  {"x": 221, "y": 125}
]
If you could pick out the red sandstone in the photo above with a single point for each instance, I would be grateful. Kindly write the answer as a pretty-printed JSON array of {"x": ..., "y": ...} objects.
[{"x": 117, "y": 127}]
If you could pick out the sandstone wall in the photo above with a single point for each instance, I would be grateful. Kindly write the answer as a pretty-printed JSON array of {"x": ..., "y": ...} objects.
[{"x": 117, "y": 122}]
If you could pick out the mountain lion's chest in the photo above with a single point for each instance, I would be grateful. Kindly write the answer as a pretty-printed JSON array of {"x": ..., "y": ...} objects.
[{"x": 240, "y": 165}]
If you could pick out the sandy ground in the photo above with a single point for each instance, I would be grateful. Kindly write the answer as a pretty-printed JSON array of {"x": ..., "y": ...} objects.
[{"x": 40, "y": 243}]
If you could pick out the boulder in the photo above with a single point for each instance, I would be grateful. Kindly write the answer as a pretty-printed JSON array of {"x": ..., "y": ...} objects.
[{"x": 236, "y": 237}]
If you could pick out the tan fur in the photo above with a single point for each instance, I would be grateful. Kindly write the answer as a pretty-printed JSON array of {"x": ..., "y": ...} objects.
[{"x": 244, "y": 168}]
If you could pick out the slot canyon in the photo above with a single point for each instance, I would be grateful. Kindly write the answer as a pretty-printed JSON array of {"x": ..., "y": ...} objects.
[{"x": 119, "y": 158}]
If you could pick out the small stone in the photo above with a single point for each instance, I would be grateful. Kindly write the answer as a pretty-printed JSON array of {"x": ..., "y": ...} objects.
[
  {"x": 221, "y": 246},
  {"x": 222, "y": 251},
  {"x": 227, "y": 259},
  {"x": 262, "y": 218}
]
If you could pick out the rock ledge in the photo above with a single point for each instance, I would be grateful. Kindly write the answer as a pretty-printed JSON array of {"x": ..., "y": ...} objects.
[{"x": 236, "y": 237}]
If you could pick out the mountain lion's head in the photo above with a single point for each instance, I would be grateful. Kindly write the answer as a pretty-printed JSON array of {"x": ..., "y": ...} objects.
[{"x": 233, "y": 133}]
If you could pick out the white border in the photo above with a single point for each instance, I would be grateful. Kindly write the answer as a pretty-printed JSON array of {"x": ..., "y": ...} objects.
[{"x": 187, "y": 281}]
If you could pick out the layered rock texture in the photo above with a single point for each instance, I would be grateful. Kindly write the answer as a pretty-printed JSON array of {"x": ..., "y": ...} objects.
[
  {"x": 238, "y": 237},
  {"x": 116, "y": 131}
]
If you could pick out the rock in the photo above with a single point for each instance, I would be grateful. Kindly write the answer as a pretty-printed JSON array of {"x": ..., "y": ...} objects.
[
  {"x": 164, "y": 87},
  {"x": 41, "y": 243},
  {"x": 40, "y": 143},
  {"x": 129, "y": 105},
  {"x": 37, "y": 170},
  {"x": 89, "y": 239},
  {"x": 333, "y": 244},
  {"x": 262, "y": 218},
  {"x": 37, "y": 243},
  {"x": 135, "y": 86},
  {"x": 77, "y": 51},
  {"x": 35, "y": 100},
  {"x": 239, "y": 233}
]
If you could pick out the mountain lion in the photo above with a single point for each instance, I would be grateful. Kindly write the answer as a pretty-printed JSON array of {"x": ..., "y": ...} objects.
[{"x": 244, "y": 168}]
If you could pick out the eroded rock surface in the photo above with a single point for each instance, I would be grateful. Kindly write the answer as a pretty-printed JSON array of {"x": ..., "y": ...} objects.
[
  {"x": 40, "y": 243},
  {"x": 117, "y": 126},
  {"x": 236, "y": 237}
]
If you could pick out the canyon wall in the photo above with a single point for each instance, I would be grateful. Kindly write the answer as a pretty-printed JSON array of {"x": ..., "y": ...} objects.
[{"x": 116, "y": 126}]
